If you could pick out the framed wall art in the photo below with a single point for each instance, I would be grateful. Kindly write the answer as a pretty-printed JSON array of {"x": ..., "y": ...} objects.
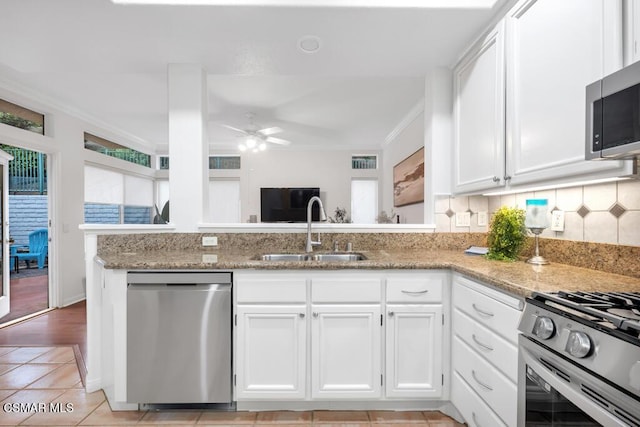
[{"x": 408, "y": 180}]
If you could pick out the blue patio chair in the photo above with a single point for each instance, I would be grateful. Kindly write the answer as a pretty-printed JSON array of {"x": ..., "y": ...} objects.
[{"x": 38, "y": 248}]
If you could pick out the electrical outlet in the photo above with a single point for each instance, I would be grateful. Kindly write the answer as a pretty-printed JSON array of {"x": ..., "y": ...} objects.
[
  {"x": 557, "y": 220},
  {"x": 209, "y": 258},
  {"x": 482, "y": 219},
  {"x": 463, "y": 219},
  {"x": 209, "y": 241}
]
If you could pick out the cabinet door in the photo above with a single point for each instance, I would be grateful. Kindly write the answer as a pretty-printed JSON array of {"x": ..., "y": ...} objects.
[
  {"x": 271, "y": 352},
  {"x": 414, "y": 351},
  {"x": 345, "y": 351},
  {"x": 479, "y": 116},
  {"x": 554, "y": 49}
]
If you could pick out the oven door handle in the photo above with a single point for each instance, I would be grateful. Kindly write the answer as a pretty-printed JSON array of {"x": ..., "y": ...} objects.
[{"x": 594, "y": 411}]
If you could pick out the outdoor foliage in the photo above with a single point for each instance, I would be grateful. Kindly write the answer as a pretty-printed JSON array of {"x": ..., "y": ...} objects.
[
  {"x": 15, "y": 121},
  {"x": 507, "y": 234},
  {"x": 340, "y": 216}
]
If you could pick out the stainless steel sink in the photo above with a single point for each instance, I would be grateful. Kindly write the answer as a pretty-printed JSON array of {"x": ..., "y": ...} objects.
[
  {"x": 286, "y": 257},
  {"x": 332, "y": 257},
  {"x": 338, "y": 257}
]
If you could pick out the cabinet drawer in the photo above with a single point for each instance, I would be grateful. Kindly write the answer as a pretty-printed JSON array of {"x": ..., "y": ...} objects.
[
  {"x": 498, "y": 351},
  {"x": 475, "y": 412},
  {"x": 271, "y": 290},
  {"x": 345, "y": 290},
  {"x": 418, "y": 290},
  {"x": 494, "y": 314},
  {"x": 490, "y": 384}
]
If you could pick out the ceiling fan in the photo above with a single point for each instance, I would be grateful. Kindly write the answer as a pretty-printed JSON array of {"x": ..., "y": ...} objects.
[{"x": 256, "y": 139}]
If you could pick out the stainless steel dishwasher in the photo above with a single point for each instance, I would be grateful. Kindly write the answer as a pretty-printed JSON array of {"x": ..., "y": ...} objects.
[{"x": 179, "y": 337}]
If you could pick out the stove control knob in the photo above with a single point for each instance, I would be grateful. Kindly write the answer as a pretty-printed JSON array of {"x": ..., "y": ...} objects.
[
  {"x": 543, "y": 328},
  {"x": 578, "y": 344}
]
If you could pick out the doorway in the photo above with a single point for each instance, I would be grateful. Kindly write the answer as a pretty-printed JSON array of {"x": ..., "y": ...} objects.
[{"x": 28, "y": 215}]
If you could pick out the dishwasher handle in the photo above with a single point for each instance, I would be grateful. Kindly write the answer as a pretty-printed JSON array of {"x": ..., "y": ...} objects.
[
  {"x": 178, "y": 277},
  {"x": 180, "y": 287}
]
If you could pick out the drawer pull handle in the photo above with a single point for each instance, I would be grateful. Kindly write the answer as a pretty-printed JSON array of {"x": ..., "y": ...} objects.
[
  {"x": 475, "y": 421},
  {"x": 415, "y": 292},
  {"x": 482, "y": 312},
  {"x": 473, "y": 373},
  {"x": 486, "y": 347}
]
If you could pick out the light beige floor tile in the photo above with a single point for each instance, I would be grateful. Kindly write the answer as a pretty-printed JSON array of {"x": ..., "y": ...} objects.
[
  {"x": 393, "y": 417},
  {"x": 450, "y": 423},
  {"x": 6, "y": 393},
  {"x": 227, "y": 418},
  {"x": 410, "y": 424},
  {"x": 436, "y": 416},
  {"x": 6, "y": 367},
  {"x": 23, "y": 354},
  {"x": 23, "y": 404},
  {"x": 171, "y": 417},
  {"x": 283, "y": 417},
  {"x": 56, "y": 355},
  {"x": 5, "y": 350},
  {"x": 104, "y": 416},
  {"x": 78, "y": 385},
  {"x": 69, "y": 408},
  {"x": 340, "y": 417},
  {"x": 345, "y": 424},
  {"x": 24, "y": 375},
  {"x": 66, "y": 376}
]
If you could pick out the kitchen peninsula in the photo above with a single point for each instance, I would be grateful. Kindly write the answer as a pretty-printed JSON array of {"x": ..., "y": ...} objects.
[{"x": 428, "y": 295}]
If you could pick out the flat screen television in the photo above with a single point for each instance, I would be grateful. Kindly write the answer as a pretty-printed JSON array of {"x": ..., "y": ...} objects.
[{"x": 287, "y": 204}]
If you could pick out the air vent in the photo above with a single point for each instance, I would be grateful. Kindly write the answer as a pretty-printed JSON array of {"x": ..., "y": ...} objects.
[
  {"x": 359, "y": 161},
  {"x": 610, "y": 406},
  {"x": 555, "y": 370}
]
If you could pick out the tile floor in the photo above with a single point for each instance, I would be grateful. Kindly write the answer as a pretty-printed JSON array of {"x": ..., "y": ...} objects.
[{"x": 42, "y": 386}]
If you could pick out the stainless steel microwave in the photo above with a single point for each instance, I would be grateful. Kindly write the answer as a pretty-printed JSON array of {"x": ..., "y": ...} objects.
[{"x": 613, "y": 115}]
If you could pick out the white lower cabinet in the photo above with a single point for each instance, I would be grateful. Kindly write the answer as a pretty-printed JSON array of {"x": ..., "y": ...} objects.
[
  {"x": 345, "y": 351},
  {"x": 414, "y": 350},
  {"x": 484, "y": 354},
  {"x": 271, "y": 352},
  {"x": 338, "y": 336}
]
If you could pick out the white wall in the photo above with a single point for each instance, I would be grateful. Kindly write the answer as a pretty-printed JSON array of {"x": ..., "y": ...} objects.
[
  {"x": 64, "y": 145},
  {"x": 329, "y": 170},
  {"x": 406, "y": 142}
]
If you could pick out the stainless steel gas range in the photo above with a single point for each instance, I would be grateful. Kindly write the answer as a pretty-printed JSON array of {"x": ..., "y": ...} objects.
[{"x": 579, "y": 360}]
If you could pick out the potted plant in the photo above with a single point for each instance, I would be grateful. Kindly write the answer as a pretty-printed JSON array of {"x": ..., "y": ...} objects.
[{"x": 507, "y": 234}]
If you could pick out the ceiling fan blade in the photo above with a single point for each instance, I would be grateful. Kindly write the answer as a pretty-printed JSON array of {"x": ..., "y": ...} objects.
[
  {"x": 277, "y": 141},
  {"x": 235, "y": 129},
  {"x": 270, "y": 131}
]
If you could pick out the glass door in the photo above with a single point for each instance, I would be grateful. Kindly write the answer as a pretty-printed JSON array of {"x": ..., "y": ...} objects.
[{"x": 5, "y": 257}]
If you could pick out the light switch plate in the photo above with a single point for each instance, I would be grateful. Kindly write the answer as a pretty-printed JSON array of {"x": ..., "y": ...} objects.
[
  {"x": 557, "y": 220},
  {"x": 463, "y": 219},
  {"x": 209, "y": 258},
  {"x": 209, "y": 241},
  {"x": 482, "y": 218}
]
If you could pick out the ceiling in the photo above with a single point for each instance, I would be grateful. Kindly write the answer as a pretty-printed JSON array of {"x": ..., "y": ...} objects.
[{"x": 109, "y": 61}]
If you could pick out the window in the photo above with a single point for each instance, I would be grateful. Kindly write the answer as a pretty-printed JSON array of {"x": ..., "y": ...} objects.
[
  {"x": 115, "y": 198},
  {"x": 224, "y": 200},
  {"x": 108, "y": 148},
  {"x": 361, "y": 161},
  {"x": 20, "y": 117},
  {"x": 224, "y": 162},
  {"x": 163, "y": 162},
  {"x": 364, "y": 201}
]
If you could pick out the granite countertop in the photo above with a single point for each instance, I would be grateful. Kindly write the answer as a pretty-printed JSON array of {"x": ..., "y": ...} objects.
[{"x": 518, "y": 278}]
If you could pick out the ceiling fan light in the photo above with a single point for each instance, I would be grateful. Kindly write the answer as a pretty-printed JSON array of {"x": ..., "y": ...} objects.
[
  {"x": 242, "y": 147},
  {"x": 255, "y": 150},
  {"x": 251, "y": 142},
  {"x": 262, "y": 146}
]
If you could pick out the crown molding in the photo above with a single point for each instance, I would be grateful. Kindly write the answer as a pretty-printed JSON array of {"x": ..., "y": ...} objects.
[{"x": 413, "y": 114}]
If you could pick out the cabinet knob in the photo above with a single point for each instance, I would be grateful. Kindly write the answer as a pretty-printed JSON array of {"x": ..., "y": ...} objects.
[
  {"x": 496, "y": 179},
  {"x": 302, "y": 315},
  {"x": 391, "y": 314},
  {"x": 507, "y": 178},
  {"x": 315, "y": 314}
]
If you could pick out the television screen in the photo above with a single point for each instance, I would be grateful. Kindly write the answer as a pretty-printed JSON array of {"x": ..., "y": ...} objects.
[{"x": 287, "y": 204}]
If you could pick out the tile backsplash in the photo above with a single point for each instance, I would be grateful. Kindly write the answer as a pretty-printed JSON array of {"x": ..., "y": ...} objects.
[{"x": 600, "y": 213}]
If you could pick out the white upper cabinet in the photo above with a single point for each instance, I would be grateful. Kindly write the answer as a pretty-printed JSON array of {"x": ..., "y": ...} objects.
[
  {"x": 632, "y": 39},
  {"x": 519, "y": 93},
  {"x": 554, "y": 49},
  {"x": 479, "y": 116}
]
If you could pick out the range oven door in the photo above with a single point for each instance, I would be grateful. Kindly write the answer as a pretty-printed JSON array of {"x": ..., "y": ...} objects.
[{"x": 553, "y": 391}]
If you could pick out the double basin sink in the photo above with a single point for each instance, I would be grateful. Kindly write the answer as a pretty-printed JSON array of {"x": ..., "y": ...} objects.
[{"x": 313, "y": 257}]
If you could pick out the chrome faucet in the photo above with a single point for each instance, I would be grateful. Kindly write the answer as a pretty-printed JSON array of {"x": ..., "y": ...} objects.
[{"x": 323, "y": 217}]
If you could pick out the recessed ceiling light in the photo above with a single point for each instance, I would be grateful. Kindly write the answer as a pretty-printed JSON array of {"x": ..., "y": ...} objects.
[{"x": 309, "y": 44}]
